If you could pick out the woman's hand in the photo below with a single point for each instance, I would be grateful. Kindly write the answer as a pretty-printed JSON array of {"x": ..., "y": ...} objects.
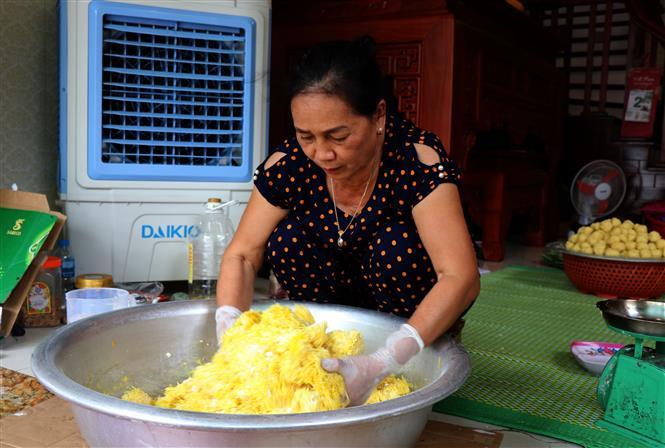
[
  {"x": 363, "y": 372},
  {"x": 225, "y": 316}
]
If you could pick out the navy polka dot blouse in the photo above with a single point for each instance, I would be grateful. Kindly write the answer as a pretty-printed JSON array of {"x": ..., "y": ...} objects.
[{"x": 383, "y": 264}]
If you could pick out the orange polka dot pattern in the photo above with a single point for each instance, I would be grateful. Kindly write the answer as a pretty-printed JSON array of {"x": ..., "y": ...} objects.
[{"x": 383, "y": 264}]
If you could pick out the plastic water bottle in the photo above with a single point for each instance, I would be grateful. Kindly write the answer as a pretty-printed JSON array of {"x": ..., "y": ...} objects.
[
  {"x": 206, "y": 244},
  {"x": 68, "y": 268}
]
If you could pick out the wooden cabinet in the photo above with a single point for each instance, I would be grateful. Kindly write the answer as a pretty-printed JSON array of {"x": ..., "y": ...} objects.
[{"x": 462, "y": 72}]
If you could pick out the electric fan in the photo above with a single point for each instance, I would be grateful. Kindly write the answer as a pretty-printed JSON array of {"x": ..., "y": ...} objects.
[{"x": 597, "y": 190}]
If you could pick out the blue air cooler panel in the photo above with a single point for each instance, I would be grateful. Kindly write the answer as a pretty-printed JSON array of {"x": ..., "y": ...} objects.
[{"x": 170, "y": 94}]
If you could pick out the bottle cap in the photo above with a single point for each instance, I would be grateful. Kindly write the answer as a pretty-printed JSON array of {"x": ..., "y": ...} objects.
[
  {"x": 52, "y": 262},
  {"x": 93, "y": 281}
]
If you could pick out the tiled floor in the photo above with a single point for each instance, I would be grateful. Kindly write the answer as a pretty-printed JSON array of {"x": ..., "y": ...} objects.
[{"x": 15, "y": 354}]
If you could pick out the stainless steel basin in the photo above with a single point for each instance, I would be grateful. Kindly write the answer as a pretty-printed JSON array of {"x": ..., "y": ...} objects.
[
  {"x": 93, "y": 361},
  {"x": 638, "y": 316}
]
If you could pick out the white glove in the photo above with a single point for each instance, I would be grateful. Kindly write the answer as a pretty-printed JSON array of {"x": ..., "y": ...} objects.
[
  {"x": 225, "y": 316},
  {"x": 363, "y": 372}
]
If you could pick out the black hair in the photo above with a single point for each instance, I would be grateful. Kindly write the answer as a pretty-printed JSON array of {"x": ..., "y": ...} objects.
[{"x": 347, "y": 69}]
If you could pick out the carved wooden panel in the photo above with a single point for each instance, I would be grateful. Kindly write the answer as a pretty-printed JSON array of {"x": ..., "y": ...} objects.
[
  {"x": 407, "y": 91},
  {"x": 402, "y": 64}
]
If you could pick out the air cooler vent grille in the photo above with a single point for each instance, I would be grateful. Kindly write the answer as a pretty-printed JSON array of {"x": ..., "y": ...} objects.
[{"x": 172, "y": 94}]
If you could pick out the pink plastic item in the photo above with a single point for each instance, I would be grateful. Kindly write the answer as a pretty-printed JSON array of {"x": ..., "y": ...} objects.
[{"x": 593, "y": 355}]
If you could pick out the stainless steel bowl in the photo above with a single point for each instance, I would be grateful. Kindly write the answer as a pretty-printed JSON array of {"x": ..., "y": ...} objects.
[
  {"x": 637, "y": 316},
  {"x": 92, "y": 362}
]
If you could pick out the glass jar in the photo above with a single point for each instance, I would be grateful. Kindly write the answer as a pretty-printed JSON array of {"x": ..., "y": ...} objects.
[{"x": 43, "y": 306}]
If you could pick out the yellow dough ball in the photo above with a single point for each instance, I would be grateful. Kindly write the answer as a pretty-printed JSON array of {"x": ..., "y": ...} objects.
[
  {"x": 585, "y": 230},
  {"x": 599, "y": 248},
  {"x": 642, "y": 238},
  {"x": 587, "y": 250},
  {"x": 606, "y": 225},
  {"x": 654, "y": 236},
  {"x": 645, "y": 253},
  {"x": 640, "y": 228},
  {"x": 569, "y": 245},
  {"x": 599, "y": 234},
  {"x": 616, "y": 231},
  {"x": 616, "y": 222},
  {"x": 595, "y": 225},
  {"x": 655, "y": 253},
  {"x": 631, "y": 245},
  {"x": 612, "y": 252},
  {"x": 660, "y": 244},
  {"x": 618, "y": 246},
  {"x": 633, "y": 253}
]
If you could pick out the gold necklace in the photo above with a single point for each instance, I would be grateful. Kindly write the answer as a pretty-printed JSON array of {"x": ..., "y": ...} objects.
[{"x": 340, "y": 232}]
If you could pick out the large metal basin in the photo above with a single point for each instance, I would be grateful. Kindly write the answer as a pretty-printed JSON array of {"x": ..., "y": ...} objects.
[{"x": 156, "y": 345}]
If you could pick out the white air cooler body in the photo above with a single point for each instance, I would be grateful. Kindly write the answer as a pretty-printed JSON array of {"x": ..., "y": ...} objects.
[{"x": 163, "y": 105}]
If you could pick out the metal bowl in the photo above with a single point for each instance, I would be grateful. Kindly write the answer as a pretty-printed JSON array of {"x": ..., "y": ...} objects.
[
  {"x": 637, "y": 316},
  {"x": 93, "y": 361}
]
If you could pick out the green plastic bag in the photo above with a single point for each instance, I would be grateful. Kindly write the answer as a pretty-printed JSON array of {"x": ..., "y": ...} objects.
[{"x": 23, "y": 234}]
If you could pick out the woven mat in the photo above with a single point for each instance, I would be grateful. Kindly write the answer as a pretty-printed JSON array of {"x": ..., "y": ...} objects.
[
  {"x": 523, "y": 375},
  {"x": 18, "y": 391}
]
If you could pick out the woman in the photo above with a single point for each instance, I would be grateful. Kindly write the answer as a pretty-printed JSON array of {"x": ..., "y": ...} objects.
[{"x": 360, "y": 208}]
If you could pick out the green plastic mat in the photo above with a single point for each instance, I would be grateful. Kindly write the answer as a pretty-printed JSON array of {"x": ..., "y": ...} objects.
[{"x": 523, "y": 376}]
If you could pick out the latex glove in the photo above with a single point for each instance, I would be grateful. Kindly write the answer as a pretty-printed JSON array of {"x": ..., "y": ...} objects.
[
  {"x": 363, "y": 372},
  {"x": 225, "y": 316}
]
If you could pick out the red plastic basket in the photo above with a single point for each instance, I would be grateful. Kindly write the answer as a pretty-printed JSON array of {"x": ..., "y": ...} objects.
[
  {"x": 611, "y": 278},
  {"x": 654, "y": 213}
]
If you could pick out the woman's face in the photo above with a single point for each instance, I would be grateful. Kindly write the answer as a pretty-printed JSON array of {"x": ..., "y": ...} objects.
[{"x": 344, "y": 144}]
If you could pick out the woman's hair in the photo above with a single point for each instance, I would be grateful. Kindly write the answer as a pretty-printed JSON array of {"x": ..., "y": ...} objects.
[{"x": 347, "y": 69}]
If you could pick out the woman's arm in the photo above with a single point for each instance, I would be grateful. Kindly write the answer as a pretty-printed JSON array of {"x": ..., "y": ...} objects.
[
  {"x": 442, "y": 228},
  {"x": 243, "y": 257}
]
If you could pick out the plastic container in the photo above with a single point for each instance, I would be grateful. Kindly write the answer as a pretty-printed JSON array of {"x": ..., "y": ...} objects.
[
  {"x": 82, "y": 303},
  {"x": 206, "y": 244},
  {"x": 43, "y": 306},
  {"x": 593, "y": 356},
  {"x": 68, "y": 268}
]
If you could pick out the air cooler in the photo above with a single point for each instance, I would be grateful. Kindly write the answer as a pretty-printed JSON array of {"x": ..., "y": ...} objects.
[{"x": 163, "y": 104}]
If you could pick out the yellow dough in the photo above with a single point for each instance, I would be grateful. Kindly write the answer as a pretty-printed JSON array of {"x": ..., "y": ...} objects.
[
  {"x": 613, "y": 238},
  {"x": 270, "y": 363}
]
